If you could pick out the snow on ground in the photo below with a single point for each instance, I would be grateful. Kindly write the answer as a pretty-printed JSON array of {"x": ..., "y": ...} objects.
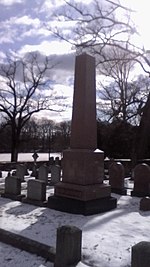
[{"x": 107, "y": 238}]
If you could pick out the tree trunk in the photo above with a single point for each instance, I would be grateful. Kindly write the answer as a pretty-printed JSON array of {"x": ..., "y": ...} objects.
[
  {"x": 14, "y": 154},
  {"x": 144, "y": 132},
  {"x": 14, "y": 146}
]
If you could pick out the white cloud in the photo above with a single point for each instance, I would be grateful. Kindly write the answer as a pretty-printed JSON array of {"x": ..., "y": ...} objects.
[
  {"x": 48, "y": 48},
  {"x": 10, "y": 2},
  {"x": 27, "y": 20}
]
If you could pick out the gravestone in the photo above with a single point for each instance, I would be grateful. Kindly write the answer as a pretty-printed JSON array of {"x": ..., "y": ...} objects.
[
  {"x": 141, "y": 180},
  {"x": 21, "y": 171},
  {"x": 141, "y": 254},
  {"x": 82, "y": 190},
  {"x": 43, "y": 173},
  {"x": 68, "y": 246},
  {"x": 57, "y": 161},
  {"x": 145, "y": 204},
  {"x": 12, "y": 188},
  {"x": 36, "y": 192},
  {"x": 55, "y": 174},
  {"x": 116, "y": 178},
  {"x": 51, "y": 163}
]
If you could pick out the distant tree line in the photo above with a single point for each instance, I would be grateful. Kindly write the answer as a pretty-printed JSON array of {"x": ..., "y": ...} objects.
[
  {"x": 116, "y": 138},
  {"x": 40, "y": 135}
]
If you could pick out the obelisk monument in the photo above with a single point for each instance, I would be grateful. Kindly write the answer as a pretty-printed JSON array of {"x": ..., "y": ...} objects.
[{"x": 82, "y": 190}]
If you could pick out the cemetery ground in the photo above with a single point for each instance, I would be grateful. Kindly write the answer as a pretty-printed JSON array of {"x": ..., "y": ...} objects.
[{"x": 107, "y": 238}]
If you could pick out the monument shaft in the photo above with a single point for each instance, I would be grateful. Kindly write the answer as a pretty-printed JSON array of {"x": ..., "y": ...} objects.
[{"x": 83, "y": 129}]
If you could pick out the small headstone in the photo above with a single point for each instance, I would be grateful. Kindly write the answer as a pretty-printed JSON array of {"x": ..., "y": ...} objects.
[
  {"x": 145, "y": 204},
  {"x": 34, "y": 171},
  {"x": 141, "y": 180},
  {"x": 43, "y": 173},
  {"x": 55, "y": 174},
  {"x": 51, "y": 163},
  {"x": 116, "y": 178},
  {"x": 68, "y": 246},
  {"x": 141, "y": 255},
  {"x": 12, "y": 188},
  {"x": 21, "y": 171},
  {"x": 12, "y": 185},
  {"x": 13, "y": 173},
  {"x": 57, "y": 161},
  {"x": 36, "y": 192}
]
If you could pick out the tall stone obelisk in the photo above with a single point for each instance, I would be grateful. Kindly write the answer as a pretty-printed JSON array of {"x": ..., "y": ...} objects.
[{"x": 82, "y": 189}]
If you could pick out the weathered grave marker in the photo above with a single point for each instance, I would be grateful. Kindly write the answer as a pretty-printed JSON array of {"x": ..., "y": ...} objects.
[
  {"x": 36, "y": 192},
  {"x": 57, "y": 161},
  {"x": 68, "y": 246},
  {"x": 141, "y": 255},
  {"x": 43, "y": 173},
  {"x": 145, "y": 204},
  {"x": 12, "y": 188},
  {"x": 116, "y": 178},
  {"x": 55, "y": 174},
  {"x": 21, "y": 171},
  {"x": 141, "y": 180}
]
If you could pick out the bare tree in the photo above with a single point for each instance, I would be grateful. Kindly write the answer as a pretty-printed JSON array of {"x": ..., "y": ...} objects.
[
  {"x": 25, "y": 89},
  {"x": 90, "y": 27},
  {"x": 122, "y": 94}
]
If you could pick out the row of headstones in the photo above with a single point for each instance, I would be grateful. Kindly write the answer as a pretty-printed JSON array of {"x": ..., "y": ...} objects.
[
  {"x": 42, "y": 173},
  {"x": 140, "y": 176},
  {"x": 36, "y": 188},
  {"x": 55, "y": 161}
]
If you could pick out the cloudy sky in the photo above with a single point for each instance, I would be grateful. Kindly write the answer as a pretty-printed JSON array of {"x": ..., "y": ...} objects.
[{"x": 22, "y": 30}]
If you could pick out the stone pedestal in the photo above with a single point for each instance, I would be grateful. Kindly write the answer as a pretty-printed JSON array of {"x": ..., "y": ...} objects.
[
  {"x": 83, "y": 166},
  {"x": 82, "y": 190}
]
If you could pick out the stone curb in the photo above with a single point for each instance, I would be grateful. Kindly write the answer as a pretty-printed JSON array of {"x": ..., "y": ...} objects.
[{"x": 28, "y": 245}]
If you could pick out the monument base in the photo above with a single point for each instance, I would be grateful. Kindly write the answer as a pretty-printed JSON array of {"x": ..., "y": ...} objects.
[
  {"x": 75, "y": 206},
  {"x": 119, "y": 191},
  {"x": 82, "y": 192}
]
